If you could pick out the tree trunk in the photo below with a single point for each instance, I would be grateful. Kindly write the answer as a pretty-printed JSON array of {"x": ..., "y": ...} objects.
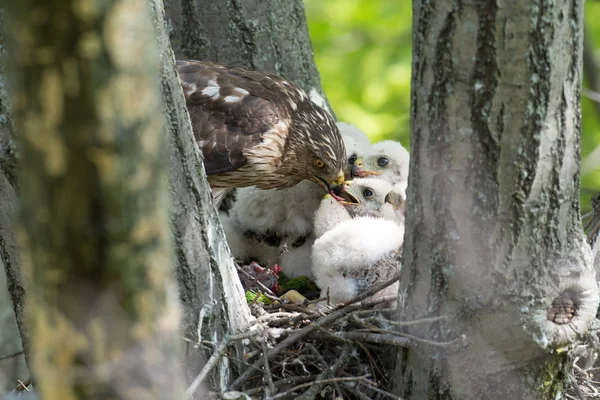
[
  {"x": 195, "y": 33},
  {"x": 255, "y": 34},
  {"x": 12, "y": 293},
  {"x": 494, "y": 239},
  {"x": 93, "y": 222},
  {"x": 211, "y": 293}
]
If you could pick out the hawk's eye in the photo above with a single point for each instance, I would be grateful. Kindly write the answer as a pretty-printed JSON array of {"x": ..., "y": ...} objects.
[
  {"x": 383, "y": 162},
  {"x": 352, "y": 159},
  {"x": 367, "y": 193},
  {"x": 319, "y": 163}
]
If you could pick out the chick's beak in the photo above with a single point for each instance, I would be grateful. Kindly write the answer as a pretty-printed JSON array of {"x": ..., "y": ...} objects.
[
  {"x": 388, "y": 199},
  {"x": 357, "y": 170}
]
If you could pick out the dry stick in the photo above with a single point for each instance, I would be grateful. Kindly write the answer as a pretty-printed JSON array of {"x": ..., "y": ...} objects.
[
  {"x": 357, "y": 392},
  {"x": 214, "y": 359},
  {"x": 381, "y": 391},
  {"x": 325, "y": 320},
  {"x": 461, "y": 338},
  {"x": 267, "y": 369},
  {"x": 410, "y": 323},
  {"x": 6, "y": 357},
  {"x": 268, "y": 291},
  {"x": 578, "y": 390},
  {"x": 328, "y": 373},
  {"x": 321, "y": 382},
  {"x": 376, "y": 338}
]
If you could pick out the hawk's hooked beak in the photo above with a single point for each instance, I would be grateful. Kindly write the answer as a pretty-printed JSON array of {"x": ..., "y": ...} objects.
[
  {"x": 357, "y": 170},
  {"x": 334, "y": 187}
]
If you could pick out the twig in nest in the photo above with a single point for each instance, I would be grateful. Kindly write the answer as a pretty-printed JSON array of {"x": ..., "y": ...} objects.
[
  {"x": 256, "y": 297},
  {"x": 13, "y": 355},
  {"x": 410, "y": 323},
  {"x": 267, "y": 369},
  {"x": 576, "y": 387},
  {"x": 380, "y": 391},
  {"x": 329, "y": 372},
  {"x": 320, "y": 382},
  {"x": 328, "y": 296},
  {"x": 214, "y": 359},
  {"x": 368, "y": 337},
  {"x": 339, "y": 311},
  {"x": 268, "y": 291}
]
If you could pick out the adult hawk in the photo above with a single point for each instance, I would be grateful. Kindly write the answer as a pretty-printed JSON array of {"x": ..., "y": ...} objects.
[{"x": 258, "y": 129}]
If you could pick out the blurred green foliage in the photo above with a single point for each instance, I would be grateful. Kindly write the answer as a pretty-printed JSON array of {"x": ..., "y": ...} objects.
[{"x": 363, "y": 52}]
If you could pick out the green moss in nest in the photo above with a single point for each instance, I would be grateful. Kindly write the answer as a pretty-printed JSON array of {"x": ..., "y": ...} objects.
[
  {"x": 300, "y": 283},
  {"x": 250, "y": 295}
]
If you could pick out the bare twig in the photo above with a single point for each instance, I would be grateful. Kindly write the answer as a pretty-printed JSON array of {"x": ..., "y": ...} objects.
[
  {"x": 409, "y": 323},
  {"x": 214, "y": 359},
  {"x": 339, "y": 311},
  {"x": 326, "y": 374},
  {"x": 380, "y": 391},
  {"x": 267, "y": 370},
  {"x": 576, "y": 387},
  {"x": 268, "y": 293},
  {"x": 13, "y": 355},
  {"x": 320, "y": 382}
]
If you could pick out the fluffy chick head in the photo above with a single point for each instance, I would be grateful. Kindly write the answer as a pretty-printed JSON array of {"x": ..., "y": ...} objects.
[
  {"x": 388, "y": 160},
  {"x": 365, "y": 196},
  {"x": 357, "y": 145},
  {"x": 394, "y": 208}
]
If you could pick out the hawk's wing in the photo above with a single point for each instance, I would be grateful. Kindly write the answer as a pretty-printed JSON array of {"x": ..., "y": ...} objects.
[{"x": 230, "y": 109}]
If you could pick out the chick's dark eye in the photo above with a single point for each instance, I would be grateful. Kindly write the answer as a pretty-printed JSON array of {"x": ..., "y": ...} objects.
[
  {"x": 352, "y": 159},
  {"x": 367, "y": 193},
  {"x": 383, "y": 162}
]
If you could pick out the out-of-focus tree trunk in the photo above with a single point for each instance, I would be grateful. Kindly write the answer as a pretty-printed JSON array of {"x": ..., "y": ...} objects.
[
  {"x": 12, "y": 293},
  {"x": 494, "y": 239},
  {"x": 101, "y": 301}
]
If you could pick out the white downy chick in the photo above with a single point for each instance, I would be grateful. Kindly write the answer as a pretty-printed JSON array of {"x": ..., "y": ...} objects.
[
  {"x": 366, "y": 196},
  {"x": 349, "y": 130},
  {"x": 329, "y": 214},
  {"x": 356, "y": 254},
  {"x": 357, "y": 145},
  {"x": 395, "y": 207},
  {"x": 388, "y": 159}
]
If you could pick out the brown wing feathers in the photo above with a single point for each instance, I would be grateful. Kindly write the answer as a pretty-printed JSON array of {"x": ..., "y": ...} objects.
[{"x": 229, "y": 110}]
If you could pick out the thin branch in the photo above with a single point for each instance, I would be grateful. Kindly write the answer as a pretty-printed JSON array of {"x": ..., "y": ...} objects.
[
  {"x": 13, "y": 355},
  {"x": 320, "y": 382},
  {"x": 267, "y": 370},
  {"x": 268, "y": 293},
  {"x": 214, "y": 359},
  {"x": 339, "y": 311}
]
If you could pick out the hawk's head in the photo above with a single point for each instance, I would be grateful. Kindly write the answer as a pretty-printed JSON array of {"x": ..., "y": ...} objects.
[{"x": 315, "y": 146}]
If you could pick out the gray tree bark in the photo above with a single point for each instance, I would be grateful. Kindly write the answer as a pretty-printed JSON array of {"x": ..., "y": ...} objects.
[
  {"x": 93, "y": 222},
  {"x": 211, "y": 293},
  {"x": 13, "y": 335},
  {"x": 255, "y": 34},
  {"x": 494, "y": 239},
  {"x": 269, "y": 36}
]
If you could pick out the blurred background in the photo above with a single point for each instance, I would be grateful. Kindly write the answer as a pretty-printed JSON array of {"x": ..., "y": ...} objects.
[{"x": 363, "y": 52}]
